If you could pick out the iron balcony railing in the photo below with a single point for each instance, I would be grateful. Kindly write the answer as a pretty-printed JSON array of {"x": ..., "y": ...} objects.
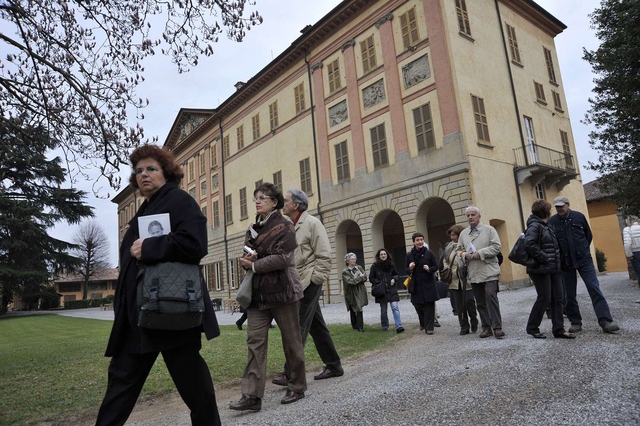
[{"x": 540, "y": 155}]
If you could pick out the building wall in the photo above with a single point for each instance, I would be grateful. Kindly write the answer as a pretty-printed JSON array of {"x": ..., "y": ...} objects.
[
  {"x": 607, "y": 235},
  {"x": 415, "y": 190}
]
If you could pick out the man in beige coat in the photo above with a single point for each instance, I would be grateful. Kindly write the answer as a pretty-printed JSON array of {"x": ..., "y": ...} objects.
[
  {"x": 479, "y": 246},
  {"x": 313, "y": 261}
]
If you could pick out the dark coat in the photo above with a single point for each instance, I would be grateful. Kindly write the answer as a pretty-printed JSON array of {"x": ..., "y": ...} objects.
[
  {"x": 541, "y": 244},
  {"x": 574, "y": 237},
  {"x": 187, "y": 243},
  {"x": 424, "y": 283},
  {"x": 380, "y": 272}
]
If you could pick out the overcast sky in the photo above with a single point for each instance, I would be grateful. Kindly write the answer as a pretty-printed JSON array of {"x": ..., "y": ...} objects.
[{"x": 211, "y": 82}]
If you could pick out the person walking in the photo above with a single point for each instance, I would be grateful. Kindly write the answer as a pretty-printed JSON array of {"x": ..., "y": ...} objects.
[
  {"x": 133, "y": 349},
  {"x": 313, "y": 261},
  {"x": 542, "y": 245},
  {"x": 355, "y": 292},
  {"x": 479, "y": 246},
  {"x": 384, "y": 276},
  {"x": 631, "y": 237},
  {"x": 574, "y": 237},
  {"x": 422, "y": 265}
]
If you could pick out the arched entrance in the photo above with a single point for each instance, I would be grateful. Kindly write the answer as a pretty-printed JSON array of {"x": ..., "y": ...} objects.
[
  {"x": 349, "y": 240},
  {"x": 387, "y": 230},
  {"x": 433, "y": 218}
]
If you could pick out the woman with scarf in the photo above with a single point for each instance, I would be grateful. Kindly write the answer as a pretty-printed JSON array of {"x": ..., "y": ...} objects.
[
  {"x": 421, "y": 265},
  {"x": 383, "y": 275},
  {"x": 276, "y": 294},
  {"x": 355, "y": 292}
]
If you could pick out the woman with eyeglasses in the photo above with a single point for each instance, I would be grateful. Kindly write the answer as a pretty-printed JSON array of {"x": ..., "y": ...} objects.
[
  {"x": 355, "y": 291},
  {"x": 133, "y": 350},
  {"x": 276, "y": 294}
]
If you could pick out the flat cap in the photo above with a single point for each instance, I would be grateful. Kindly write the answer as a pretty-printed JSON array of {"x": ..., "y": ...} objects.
[{"x": 560, "y": 201}]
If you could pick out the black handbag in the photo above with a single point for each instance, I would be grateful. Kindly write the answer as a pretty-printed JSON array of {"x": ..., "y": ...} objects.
[
  {"x": 519, "y": 255},
  {"x": 170, "y": 296},
  {"x": 378, "y": 289},
  {"x": 442, "y": 289}
]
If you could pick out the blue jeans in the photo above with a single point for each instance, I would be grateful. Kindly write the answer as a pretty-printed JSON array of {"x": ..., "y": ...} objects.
[
  {"x": 384, "y": 318},
  {"x": 600, "y": 305}
]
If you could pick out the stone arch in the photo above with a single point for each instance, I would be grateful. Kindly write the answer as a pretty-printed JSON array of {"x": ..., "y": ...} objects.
[
  {"x": 434, "y": 216},
  {"x": 348, "y": 239},
  {"x": 387, "y": 230}
]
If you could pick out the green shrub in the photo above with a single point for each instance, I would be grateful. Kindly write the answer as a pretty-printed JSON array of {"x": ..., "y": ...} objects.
[
  {"x": 77, "y": 304},
  {"x": 601, "y": 260},
  {"x": 49, "y": 300},
  {"x": 108, "y": 299}
]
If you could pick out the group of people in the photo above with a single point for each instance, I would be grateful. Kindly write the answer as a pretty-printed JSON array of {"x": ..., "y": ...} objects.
[{"x": 290, "y": 258}]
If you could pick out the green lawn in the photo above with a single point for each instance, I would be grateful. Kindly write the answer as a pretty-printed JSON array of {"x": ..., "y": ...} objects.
[{"x": 52, "y": 367}]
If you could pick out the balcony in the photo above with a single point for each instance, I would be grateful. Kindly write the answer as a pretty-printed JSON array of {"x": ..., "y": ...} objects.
[{"x": 541, "y": 164}]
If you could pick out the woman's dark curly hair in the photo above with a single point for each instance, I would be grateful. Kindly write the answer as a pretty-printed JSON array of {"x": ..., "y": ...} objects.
[
  {"x": 270, "y": 190},
  {"x": 172, "y": 172},
  {"x": 388, "y": 255}
]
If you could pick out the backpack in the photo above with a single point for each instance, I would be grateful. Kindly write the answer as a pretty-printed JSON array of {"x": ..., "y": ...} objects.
[{"x": 170, "y": 296}]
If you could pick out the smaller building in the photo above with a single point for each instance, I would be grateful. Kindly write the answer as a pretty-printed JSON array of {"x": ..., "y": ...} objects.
[
  {"x": 606, "y": 226},
  {"x": 101, "y": 284}
]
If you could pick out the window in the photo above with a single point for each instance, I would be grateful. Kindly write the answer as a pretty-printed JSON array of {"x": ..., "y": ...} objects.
[
  {"x": 191, "y": 174},
  {"x": 568, "y": 158},
  {"x": 305, "y": 176},
  {"x": 255, "y": 125},
  {"x": 540, "y": 93},
  {"x": 342, "y": 161},
  {"x": 379, "y": 146},
  {"x": 214, "y": 155},
  {"x": 368, "y": 54},
  {"x": 298, "y": 95},
  {"x": 232, "y": 273},
  {"x": 277, "y": 180},
  {"x": 333, "y": 71},
  {"x": 409, "y": 28},
  {"x": 540, "y": 191},
  {"x": 258, "y": 183},
  {"x": 243, "y": 203},
  {"x": 203, "y": 188},
  {"x": 480, "y": 116},
  {"x": 424, "y": 127},
  {"x": 463, "y": 17},
  {"x": 69, "y": 297},
  {"x": 228, "y": 209},
  {"x": 212, "y": 274},
  {"x": 214, "y": 182},
  {"x": 550, "y": 69},
  {"x": 192, "y": 192},
  {"x": 557, "y": 103},
  {"x": 513, "y": 44},
  {"x": 69, "y": 287},
  {"x": 203, "y": 209},
  {"x": 226, "y": 149},
  {"x": 216, "y": 214},
  {"x": 240, "y": 136},
  {"x": 532, "y": 149},
  {"x": 201, "y": 163},
  {"x": 273, "y": 115}
]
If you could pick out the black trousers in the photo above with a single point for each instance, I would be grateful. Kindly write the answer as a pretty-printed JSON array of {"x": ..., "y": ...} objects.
[
  {"x": 190, "y": 373},
  {"x": 467, "y": 313},
  {"x": 357, "y": 320},
  {"x": 426, "y": 314},
  {"x": 550, "y": 293},
  {"x": 312, "y": 322}
]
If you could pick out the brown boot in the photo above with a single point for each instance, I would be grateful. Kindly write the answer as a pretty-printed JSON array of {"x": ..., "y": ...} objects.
[{"x": 486, "y": 333}]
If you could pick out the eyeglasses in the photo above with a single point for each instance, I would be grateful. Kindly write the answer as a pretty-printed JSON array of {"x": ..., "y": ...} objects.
[
  {"x": 148, "y": 169},
  {"x": 262, "y": 198}
]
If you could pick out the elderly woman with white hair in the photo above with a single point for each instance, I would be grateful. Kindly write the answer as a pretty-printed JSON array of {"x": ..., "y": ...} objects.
[
  {"x": 355, "y": 292},
  {"x": 631, "y": 236}
]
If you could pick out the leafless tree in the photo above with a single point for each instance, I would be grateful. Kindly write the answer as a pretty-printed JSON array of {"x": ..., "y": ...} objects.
[
  {"x": 93, "y": 251},
  {"x": 72, "y": 67}
]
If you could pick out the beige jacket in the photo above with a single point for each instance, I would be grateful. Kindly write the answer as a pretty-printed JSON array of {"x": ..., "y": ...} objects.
[
  {"x": 486, "y": 242},
  {"x": 313, "y": 254}
]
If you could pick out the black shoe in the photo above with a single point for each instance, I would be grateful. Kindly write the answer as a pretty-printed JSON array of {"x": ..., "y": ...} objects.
[
  {"x": 575, "y": 328},
  {"x": 399, "y": 330},
  {"x": 565, "y": 335},
  {"x": 436, "y": 323},
  {"x": 474, "y": 327},
  {"x": 610, "y": 328},
  {"x": 464, "y": 331},
  {"x": 239, "y": 325},
  {"x": 327, "y": 373},
  {"x": 280, "y": 380},
  {"x": 539, "y": 335},
  {"x": 291, "y": 396},
  {"x": 247, "y": 403}
]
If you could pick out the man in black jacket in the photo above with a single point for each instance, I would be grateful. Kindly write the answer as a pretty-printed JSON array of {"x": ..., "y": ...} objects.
[{"x": 574, "y": 237}]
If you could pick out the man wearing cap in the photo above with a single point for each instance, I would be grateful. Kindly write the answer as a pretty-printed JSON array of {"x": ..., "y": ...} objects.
[{"x": 574, "y": 237}]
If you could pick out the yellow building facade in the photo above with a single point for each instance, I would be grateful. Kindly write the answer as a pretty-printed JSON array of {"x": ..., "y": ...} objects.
[{"x": 394, "y": 116}]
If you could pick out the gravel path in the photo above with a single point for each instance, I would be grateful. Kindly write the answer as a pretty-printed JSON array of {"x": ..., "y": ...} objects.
[{"x": 461, "y": 380}]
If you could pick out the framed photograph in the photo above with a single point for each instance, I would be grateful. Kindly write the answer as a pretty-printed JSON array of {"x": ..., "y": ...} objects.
[{"x": 154, "y": 225}]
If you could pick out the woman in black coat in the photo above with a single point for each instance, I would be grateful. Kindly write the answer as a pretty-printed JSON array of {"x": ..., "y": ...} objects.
[
  {"x": 133, "y": 350},
  {"x": 422, "y": 265},
  {"x": 541, "y": 244},
  {"x": 383, "y": 275}
]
